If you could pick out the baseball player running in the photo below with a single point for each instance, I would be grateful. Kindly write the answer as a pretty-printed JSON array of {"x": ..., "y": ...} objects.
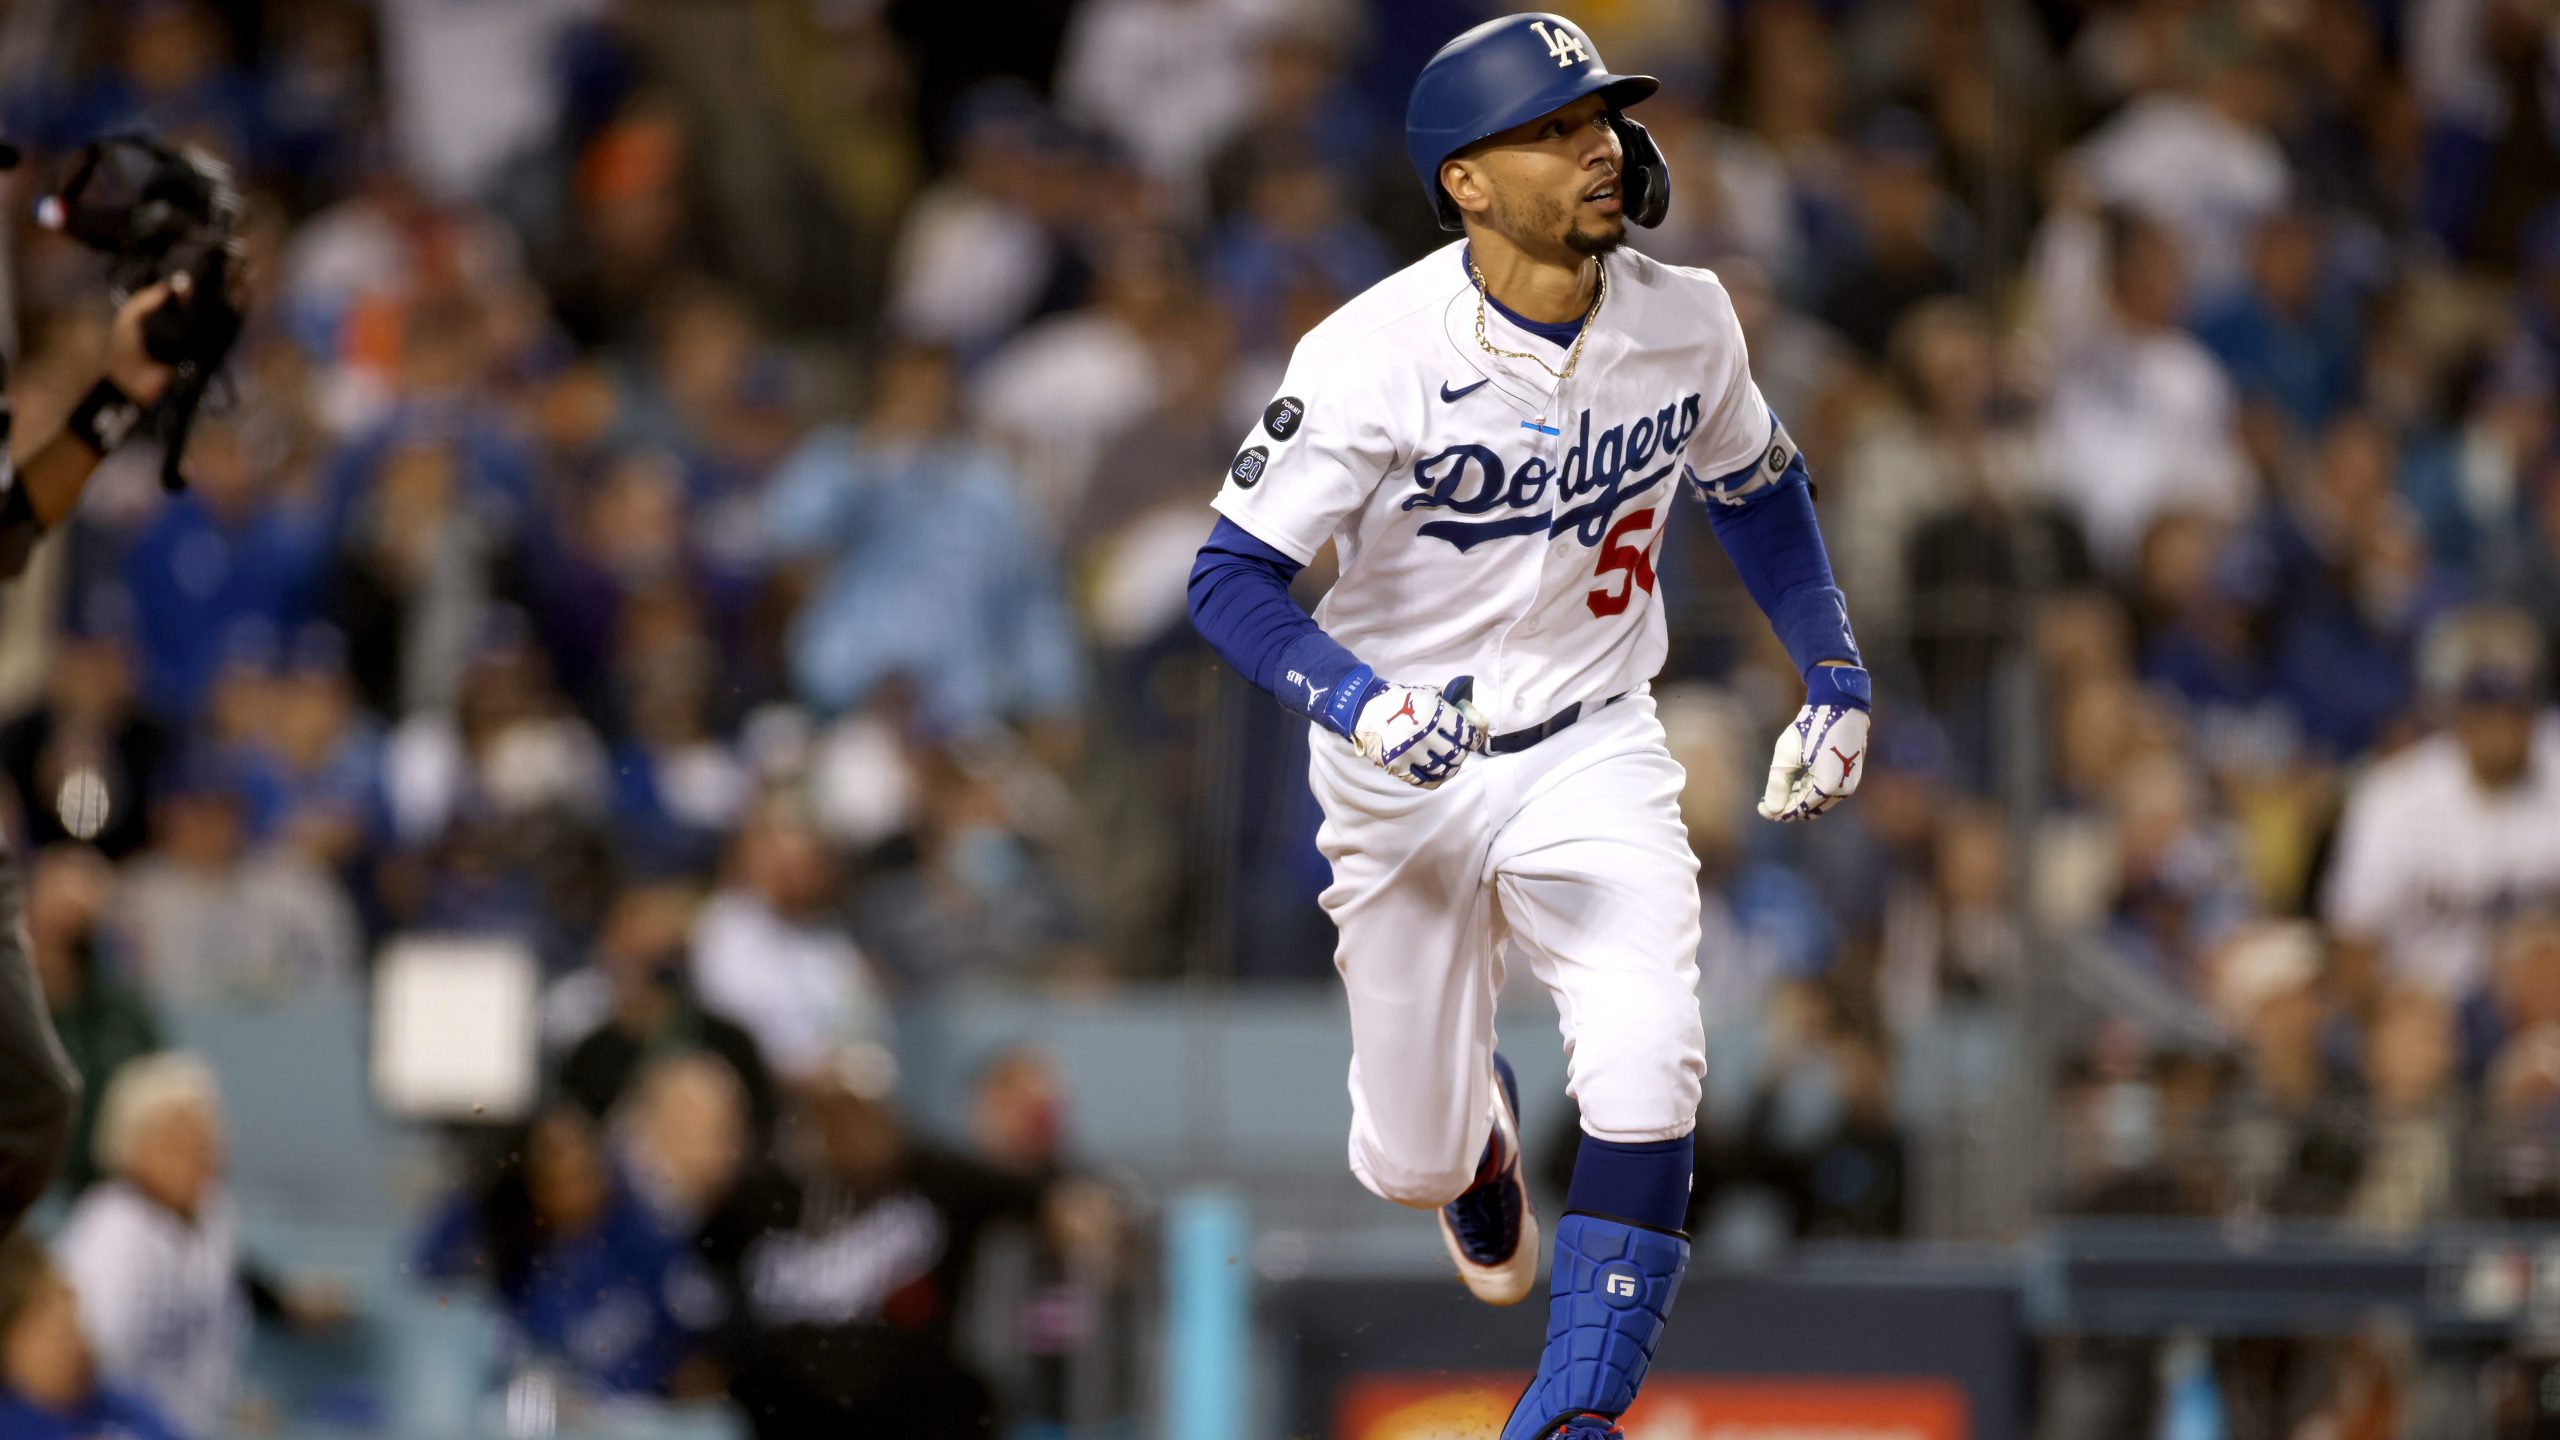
[{"x": 1492, "y": 439}]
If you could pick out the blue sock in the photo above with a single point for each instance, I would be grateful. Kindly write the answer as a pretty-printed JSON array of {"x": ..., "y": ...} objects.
[
  {"x": 1619, "y": 1258},
  {"x": 1644, "y": 1182}
]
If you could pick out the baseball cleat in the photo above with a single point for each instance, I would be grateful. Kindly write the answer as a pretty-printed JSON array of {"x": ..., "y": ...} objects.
[{"x": 1492, "y": 1229}]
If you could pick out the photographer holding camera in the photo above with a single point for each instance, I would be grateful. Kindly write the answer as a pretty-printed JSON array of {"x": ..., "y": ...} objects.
[
  {"x": 48, "y": 481},
  {"x": 167, "y": 222}
]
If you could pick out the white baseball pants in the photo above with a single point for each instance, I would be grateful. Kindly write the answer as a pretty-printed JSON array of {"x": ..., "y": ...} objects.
[{"x": 1572, "y": 850}]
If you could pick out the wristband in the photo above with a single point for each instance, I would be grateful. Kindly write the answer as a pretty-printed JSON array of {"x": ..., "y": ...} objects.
[
  {"x": 1845, "y": 687},
  {"x": 1350, "y": 694},
  {"x": 104, "y": 418}
]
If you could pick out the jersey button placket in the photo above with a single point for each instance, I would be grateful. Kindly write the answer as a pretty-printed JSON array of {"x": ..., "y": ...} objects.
[{"x": 1560, "y": 408}]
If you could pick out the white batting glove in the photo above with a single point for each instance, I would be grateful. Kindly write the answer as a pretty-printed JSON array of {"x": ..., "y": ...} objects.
[
  {"x": 1823, "y": 755},
  {"x": 1419, "y": 733}
]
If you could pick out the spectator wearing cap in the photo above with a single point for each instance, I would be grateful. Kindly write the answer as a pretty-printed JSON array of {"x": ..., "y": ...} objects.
[
  {"x": 924, "y": 563},
  {"x": 2442, "y": 842},
  {"x": 205, "y": 914},
  {"x": 679, "y": 789},
  {"x": 49, "y": 1384},
  {"x": 498, "y": 807}
]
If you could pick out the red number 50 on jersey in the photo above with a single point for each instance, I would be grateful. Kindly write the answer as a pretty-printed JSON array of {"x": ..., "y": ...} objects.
[{"x": 1617, "y": 557}]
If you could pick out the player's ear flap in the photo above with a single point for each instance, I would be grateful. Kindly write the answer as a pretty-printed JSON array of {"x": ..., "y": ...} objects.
[{"x": 1645, "y": 176}]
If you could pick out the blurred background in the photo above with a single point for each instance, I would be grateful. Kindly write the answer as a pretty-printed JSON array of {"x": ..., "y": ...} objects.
[{"x": 650, "y": 851}]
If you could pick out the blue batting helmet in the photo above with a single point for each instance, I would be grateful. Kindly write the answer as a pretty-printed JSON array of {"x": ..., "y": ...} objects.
[{"x": 1509, "y": 72}]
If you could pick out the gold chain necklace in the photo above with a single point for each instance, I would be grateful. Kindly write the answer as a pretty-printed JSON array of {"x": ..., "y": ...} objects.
[{"x": 1599, "y": 297}]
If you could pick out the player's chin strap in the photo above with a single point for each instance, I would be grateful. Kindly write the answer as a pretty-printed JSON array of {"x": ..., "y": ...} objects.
[{"x": 1607, "y": 1300}]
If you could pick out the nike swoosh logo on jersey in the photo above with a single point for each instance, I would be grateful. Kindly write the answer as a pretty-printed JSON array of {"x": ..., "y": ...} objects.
[{"x": 1464, "y": 391}]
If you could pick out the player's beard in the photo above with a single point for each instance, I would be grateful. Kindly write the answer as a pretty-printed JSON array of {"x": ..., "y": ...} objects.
[
  {"x": 1545, "y": 220},
  {"x": 1596, "y": 243}
]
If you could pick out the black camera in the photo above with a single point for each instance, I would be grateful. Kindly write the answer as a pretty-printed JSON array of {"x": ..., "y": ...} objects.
[{"x": 155, "y": 213}]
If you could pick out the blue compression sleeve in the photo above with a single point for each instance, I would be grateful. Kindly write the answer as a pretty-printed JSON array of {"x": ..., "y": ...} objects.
[
  {"x": 1642, "y": 1183},
  {"x": 1240, "y": 604},
  {"x": 1776, "y": 546}
]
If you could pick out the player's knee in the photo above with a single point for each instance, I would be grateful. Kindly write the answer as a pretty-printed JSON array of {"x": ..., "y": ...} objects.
[{"x": 1638, "y": 1075}]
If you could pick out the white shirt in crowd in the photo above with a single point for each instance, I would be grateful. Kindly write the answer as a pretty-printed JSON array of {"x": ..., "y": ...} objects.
[
  {"x": 1167, "y": 79},
  {"x": 473, "y": 83},
  {"x": 1059, "y": 395},
  {"x": 801, "y": 988},
  {"x": 271, "y": 925},
  {"x": 2207, "y": 177},
  {"x": 160, "y": 1299},
  {"x": 968, "y": 267},
  {"x": 2430, "y": 863},
  {"x": 2139, "y": 425}
]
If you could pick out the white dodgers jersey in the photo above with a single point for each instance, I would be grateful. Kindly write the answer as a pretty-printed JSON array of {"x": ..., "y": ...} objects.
[{"x": 1487, "y": 521}]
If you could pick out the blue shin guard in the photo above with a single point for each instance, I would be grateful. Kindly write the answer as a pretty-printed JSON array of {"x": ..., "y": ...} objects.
[{"x": 1606, "y": 1302}]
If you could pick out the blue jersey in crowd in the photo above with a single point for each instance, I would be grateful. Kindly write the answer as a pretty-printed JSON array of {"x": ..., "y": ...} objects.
[{"x": 108, "y": 1414}]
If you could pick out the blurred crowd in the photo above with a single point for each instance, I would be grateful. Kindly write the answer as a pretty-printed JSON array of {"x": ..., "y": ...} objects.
[{"x": 705, "y": 500}]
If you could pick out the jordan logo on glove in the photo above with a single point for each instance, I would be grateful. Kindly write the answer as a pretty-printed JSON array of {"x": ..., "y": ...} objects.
[
  {"x": 1816, "y": 764},
  {"x": 1417, "y": 733}
]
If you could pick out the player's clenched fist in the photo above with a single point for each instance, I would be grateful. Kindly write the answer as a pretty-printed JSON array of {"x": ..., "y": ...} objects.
[
  {"x": 1418, "y": 733},
  {"x": 1822, "y": 756}
]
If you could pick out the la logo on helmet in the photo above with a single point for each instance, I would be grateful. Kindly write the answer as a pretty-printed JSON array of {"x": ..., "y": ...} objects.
[{"x": 1567, "y": 47}]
